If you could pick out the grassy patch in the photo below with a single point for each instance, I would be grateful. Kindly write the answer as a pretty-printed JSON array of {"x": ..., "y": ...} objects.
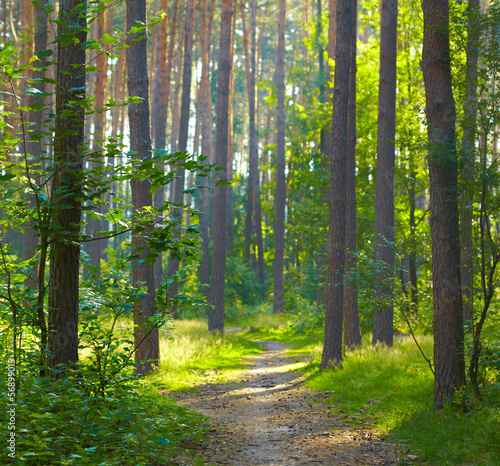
[{"x": 191, "y": 356}]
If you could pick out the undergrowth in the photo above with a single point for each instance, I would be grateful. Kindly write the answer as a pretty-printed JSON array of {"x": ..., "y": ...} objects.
[{"x": 58, "y": 424}]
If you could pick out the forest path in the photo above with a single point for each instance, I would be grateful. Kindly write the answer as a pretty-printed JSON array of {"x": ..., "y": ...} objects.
[{"x": 266, "y": 417}]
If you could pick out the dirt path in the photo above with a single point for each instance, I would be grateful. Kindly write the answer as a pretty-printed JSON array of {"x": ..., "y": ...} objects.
[{"x": 267, "y": 418}]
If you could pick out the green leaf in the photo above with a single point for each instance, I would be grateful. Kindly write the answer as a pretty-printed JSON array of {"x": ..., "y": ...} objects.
[{"x": 109, "y": 39}]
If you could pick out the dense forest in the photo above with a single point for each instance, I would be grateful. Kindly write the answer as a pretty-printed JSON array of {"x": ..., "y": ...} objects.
[{"x": 178, "y": 178}]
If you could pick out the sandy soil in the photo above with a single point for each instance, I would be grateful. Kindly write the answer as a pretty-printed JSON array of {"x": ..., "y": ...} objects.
[{"x": 267, "y": 418}]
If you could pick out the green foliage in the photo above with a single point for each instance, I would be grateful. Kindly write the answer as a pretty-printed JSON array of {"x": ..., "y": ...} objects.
[
  {"x": 242, "y": 284},
  {"x": 59, "y": 424}
]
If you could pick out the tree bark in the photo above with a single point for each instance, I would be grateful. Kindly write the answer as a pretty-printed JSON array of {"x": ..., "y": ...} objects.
[
  {"x": 66, "y": 189},
  {"x": 95, "y": 248},
  {"x": 146, "y": 339},
  {"x": 183, "y": 138},
  {"x": 206, "y": 146},
  {"x": 162, "y": 92},
  {"x": 216, "y": 313},
  {"x": 332, "y": 347},
  {"x": 279, "y": 227},
  {"x": 253, "y": 158},
  {"x": 352, "y": 332},
  {"x": 467, "y": 162},
  {"x": 384, "y": 183},
  {"x": 449, "y": 366}
]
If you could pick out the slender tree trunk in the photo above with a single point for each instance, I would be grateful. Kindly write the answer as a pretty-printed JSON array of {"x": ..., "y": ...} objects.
[
  {"x": 174, "y": 134},
  {"x": 216, "y": 313},
  {"x": 146, "y": 339},
  {"x": 253, "y": 158},
  {"x": 352, "y": 332},
  {"x": 384, "y": 183},
  {"x": 162, "y": 92},
  {"x": 34, "y": 147},
  {"x": 66, "y": 189},
  {"x": 413, "y": 234},
  {"x": 230, "y": 142},
  {"x": 326, "y": 150},
  {"x": 95, "y": 248},
  {"x": 449, "y": 366},
  {"x": 467, "y": 162},
  {"x": 206, "y": 140},
  {"x": 332, "y": 347},
  {"x": 279, "y": 227},
  {"x": 183, "y": 137}
]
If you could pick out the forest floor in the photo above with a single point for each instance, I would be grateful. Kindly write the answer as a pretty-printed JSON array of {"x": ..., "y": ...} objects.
[{"x": 267, "y": 417}]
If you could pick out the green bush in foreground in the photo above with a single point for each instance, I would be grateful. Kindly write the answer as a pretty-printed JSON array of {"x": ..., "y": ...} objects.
[{"x": 58, "y": 424}]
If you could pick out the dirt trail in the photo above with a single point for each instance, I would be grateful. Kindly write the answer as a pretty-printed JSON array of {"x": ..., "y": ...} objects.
[{"x": 267, "y": 418}]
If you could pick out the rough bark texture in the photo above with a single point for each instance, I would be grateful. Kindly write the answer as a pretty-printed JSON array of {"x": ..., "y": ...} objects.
[
  {"x": 352, "y": 332},
  {"x": 449, "y": 364},
  {"x": 279, "y": 227},
  {"x": 66, "y": 188},
  {"x": 216, "y": 314},
  {"x": 332, "y": 347},
  {"x": 384, "y": 184},
  {"x": 467, "y": 162},
  {"x": 183, "y": 136},
  {"x": 146, "y": 338}
]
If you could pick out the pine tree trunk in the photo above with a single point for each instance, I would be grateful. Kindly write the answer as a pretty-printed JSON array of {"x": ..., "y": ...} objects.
[
  {"x": 467, "y": 162},
  {"x": 34, "y": 148},
  {"x": 95, "y": 248},
  {"x": 384, "y": 184},
  {"x": 174, "y": 265},
  {"x": 146, "y": 339},
  {"x": 449, "y": 366},
  {"x": 66, "y": 189},
  {"x": 216, "y": 314},
  {"x": 279, "y": 227},
  {"x": 332, "y": 347},
  {"x": 206, "y": 147},
  {"x": 230, "y": 142},
  {"x": 253, "y": 158},
  {"x": 352, "y": 332}
]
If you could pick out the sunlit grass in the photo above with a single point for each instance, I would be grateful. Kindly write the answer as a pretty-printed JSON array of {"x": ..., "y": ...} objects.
[{"x": 190, "y": 356}]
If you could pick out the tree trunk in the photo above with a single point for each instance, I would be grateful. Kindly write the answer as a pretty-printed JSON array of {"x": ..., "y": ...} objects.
[
  {"x": 467, "y": 162},
  {"x": 95, "y": 248},
  {"x": 146, "y": 339},
  {"x": 216, "y": 313},
  {"x": 34, "y": 147},
  {"x": 183, "y": 137},
  {"x": 279, "y": 227},
  {"x": 66, "y": 189},
  {"x": 206, "y": 140},
  {"x": 253, "y": 157},
  {"x": 449, "y": 364},
  {"x": 352, "y": 332},
  {"x": 162, "y": 91},
  {"x": 230, "y": 142},
  {"x": 384, "y": 183},
  {"x": 332, "y": 347}
]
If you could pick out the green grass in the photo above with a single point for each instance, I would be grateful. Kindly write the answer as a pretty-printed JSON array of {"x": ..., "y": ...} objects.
[
  {"x": 392, "y": 389},
  {"x": 190, "y": 356}
]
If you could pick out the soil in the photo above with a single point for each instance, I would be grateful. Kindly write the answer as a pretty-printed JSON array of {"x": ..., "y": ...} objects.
[{"x": 267, "y": 417}]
